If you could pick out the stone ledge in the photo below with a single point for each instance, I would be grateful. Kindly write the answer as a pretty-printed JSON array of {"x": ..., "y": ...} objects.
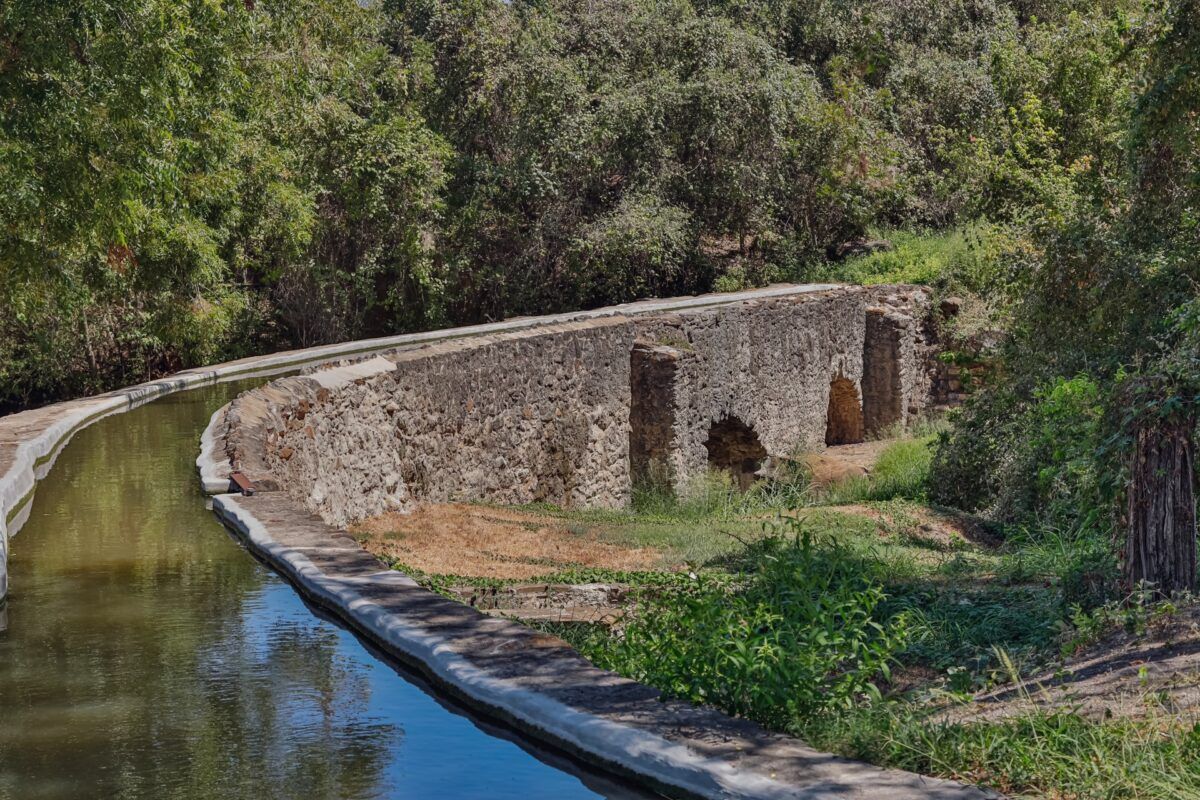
[{"x": 537, "y": 683}]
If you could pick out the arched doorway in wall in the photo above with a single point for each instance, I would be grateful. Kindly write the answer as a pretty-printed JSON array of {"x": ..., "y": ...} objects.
[
  {"x": 844, "y": 420},
  {"x": 733, "y": 446}
]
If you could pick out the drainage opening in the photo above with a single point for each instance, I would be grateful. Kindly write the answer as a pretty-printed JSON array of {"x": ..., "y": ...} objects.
[
  {"x": 844, "y": 423},
  {"x": 733, "y": 446}
]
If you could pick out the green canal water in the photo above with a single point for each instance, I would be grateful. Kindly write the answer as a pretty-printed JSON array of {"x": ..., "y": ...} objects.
[{"x": 147, "y": 655}]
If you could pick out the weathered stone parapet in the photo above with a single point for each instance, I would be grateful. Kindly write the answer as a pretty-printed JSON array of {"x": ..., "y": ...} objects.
[
  {"x": 564, "y": 413},
  {"x": 534, "y": 416}
]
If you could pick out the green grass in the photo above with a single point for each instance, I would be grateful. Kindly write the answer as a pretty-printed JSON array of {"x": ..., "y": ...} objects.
[
  {"x": 961, "y": 257},
  {"x": 1040, "y": 754},
  {"x": 686, "y": 536},
  {"x": 713, "y": 522},
  {"x": 956, "y": 610},
  {"x": 956, "y": 597},
  {"x": 953, "y": 616},
  {"x": 901, "y": 471}
]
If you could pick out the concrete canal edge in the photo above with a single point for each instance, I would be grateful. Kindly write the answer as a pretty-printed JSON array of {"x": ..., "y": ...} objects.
[
  {"x": 31, "y": 440},
  {"x": 545, "y": 689}
]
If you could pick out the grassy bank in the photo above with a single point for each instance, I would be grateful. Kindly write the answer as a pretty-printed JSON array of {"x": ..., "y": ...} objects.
[{"x": 856, "y": 615}]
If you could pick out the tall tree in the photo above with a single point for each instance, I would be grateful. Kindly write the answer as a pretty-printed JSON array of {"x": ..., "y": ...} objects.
[
  {"x": 1165, "y": 231},
  {"x": 1160, "y": 547}
]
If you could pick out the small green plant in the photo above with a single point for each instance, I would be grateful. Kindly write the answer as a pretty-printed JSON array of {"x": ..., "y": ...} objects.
[{"x": 1135, "y": 614}]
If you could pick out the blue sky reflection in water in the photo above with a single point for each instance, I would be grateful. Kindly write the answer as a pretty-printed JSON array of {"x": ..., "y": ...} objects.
[{"x": 149, "y": 656}]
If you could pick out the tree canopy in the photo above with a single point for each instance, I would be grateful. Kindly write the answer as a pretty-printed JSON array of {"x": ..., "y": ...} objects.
[{"x": 192, "y": 181}]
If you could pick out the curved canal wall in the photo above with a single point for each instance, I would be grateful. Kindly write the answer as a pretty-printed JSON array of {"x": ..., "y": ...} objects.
[{"x": 542, "y": 687}]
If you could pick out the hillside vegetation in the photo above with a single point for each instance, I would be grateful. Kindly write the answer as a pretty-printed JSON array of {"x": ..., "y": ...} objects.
[{"x": 190, "y": 181}]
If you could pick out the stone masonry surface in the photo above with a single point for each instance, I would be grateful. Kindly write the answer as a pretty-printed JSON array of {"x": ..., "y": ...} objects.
[
  {"x": 567, "y": 413},
  {"x": 462, "y": 420},
  {"x": 766, "y": 364}
]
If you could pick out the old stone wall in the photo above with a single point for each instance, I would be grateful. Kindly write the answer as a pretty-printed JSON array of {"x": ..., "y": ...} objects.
[
  {"x": 768, "y": 365},
  {"x": 899, "y": 356},
  {"x": 539, "y": 415},
  {"x": 571, "y": 413}
]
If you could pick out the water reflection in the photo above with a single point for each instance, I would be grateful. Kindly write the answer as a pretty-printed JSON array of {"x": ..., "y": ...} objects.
[{"x": 148, "y": 656}]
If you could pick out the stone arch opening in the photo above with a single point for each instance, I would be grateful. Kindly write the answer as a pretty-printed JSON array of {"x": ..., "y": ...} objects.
[
  {"x": 734, "y": 447},
  {"x": 844, "y": 420}
]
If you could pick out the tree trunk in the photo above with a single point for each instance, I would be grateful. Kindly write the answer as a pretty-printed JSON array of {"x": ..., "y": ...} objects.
[{"x": 1161, "y": 548}]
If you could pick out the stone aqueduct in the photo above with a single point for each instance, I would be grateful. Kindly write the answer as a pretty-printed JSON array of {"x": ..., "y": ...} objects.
[
  {"x": 573, "y": 413},
  {"x": 566, "y": 409}
]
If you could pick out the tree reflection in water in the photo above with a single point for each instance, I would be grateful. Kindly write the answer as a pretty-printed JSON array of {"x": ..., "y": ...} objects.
[{"x": 149, "y": 656}]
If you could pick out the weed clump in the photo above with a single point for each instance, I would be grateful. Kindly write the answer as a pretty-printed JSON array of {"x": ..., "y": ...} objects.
[{"x": 794, "y": 635}]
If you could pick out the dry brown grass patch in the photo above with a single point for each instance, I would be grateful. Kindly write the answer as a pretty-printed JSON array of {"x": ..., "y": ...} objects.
[{"x": 490, "y": 542}]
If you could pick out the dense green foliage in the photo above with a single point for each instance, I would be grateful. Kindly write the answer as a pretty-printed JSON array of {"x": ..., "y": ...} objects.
[
  {"x": 1102, "y": 327},
  {"x": 794, "y": 636},
  {"x": 191, "y": 181},
  {"x": 186, "y": 182}
]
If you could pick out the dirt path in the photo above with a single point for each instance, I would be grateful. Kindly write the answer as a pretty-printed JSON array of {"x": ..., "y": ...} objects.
[
  {"x": 1153, "y": 673},
  {"x": 493, "y": 542},
  {"x": 844, "y": 461}
]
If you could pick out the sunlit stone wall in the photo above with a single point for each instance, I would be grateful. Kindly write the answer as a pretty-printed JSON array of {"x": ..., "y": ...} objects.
[{"x": 570, "y": 413}]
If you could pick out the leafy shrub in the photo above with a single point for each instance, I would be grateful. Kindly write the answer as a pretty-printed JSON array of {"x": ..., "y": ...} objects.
[
  {"x": 795, "y": 635},
  {"x": 637, "y": 250},
  {"x": 954, "y": 259},
  {"x": 1026, "y": 460}
]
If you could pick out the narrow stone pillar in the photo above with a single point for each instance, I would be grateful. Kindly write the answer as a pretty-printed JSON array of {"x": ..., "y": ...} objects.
[
  {"x": 652, "y": 375},
  {"x": 888, "y": 353}
]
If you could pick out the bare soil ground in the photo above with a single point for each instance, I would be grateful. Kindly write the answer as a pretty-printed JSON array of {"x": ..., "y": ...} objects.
[
  {"x": 841, "y": 462},
  {"x": 1154, "y": 673},
  {"x": 492, "y": 542}
]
